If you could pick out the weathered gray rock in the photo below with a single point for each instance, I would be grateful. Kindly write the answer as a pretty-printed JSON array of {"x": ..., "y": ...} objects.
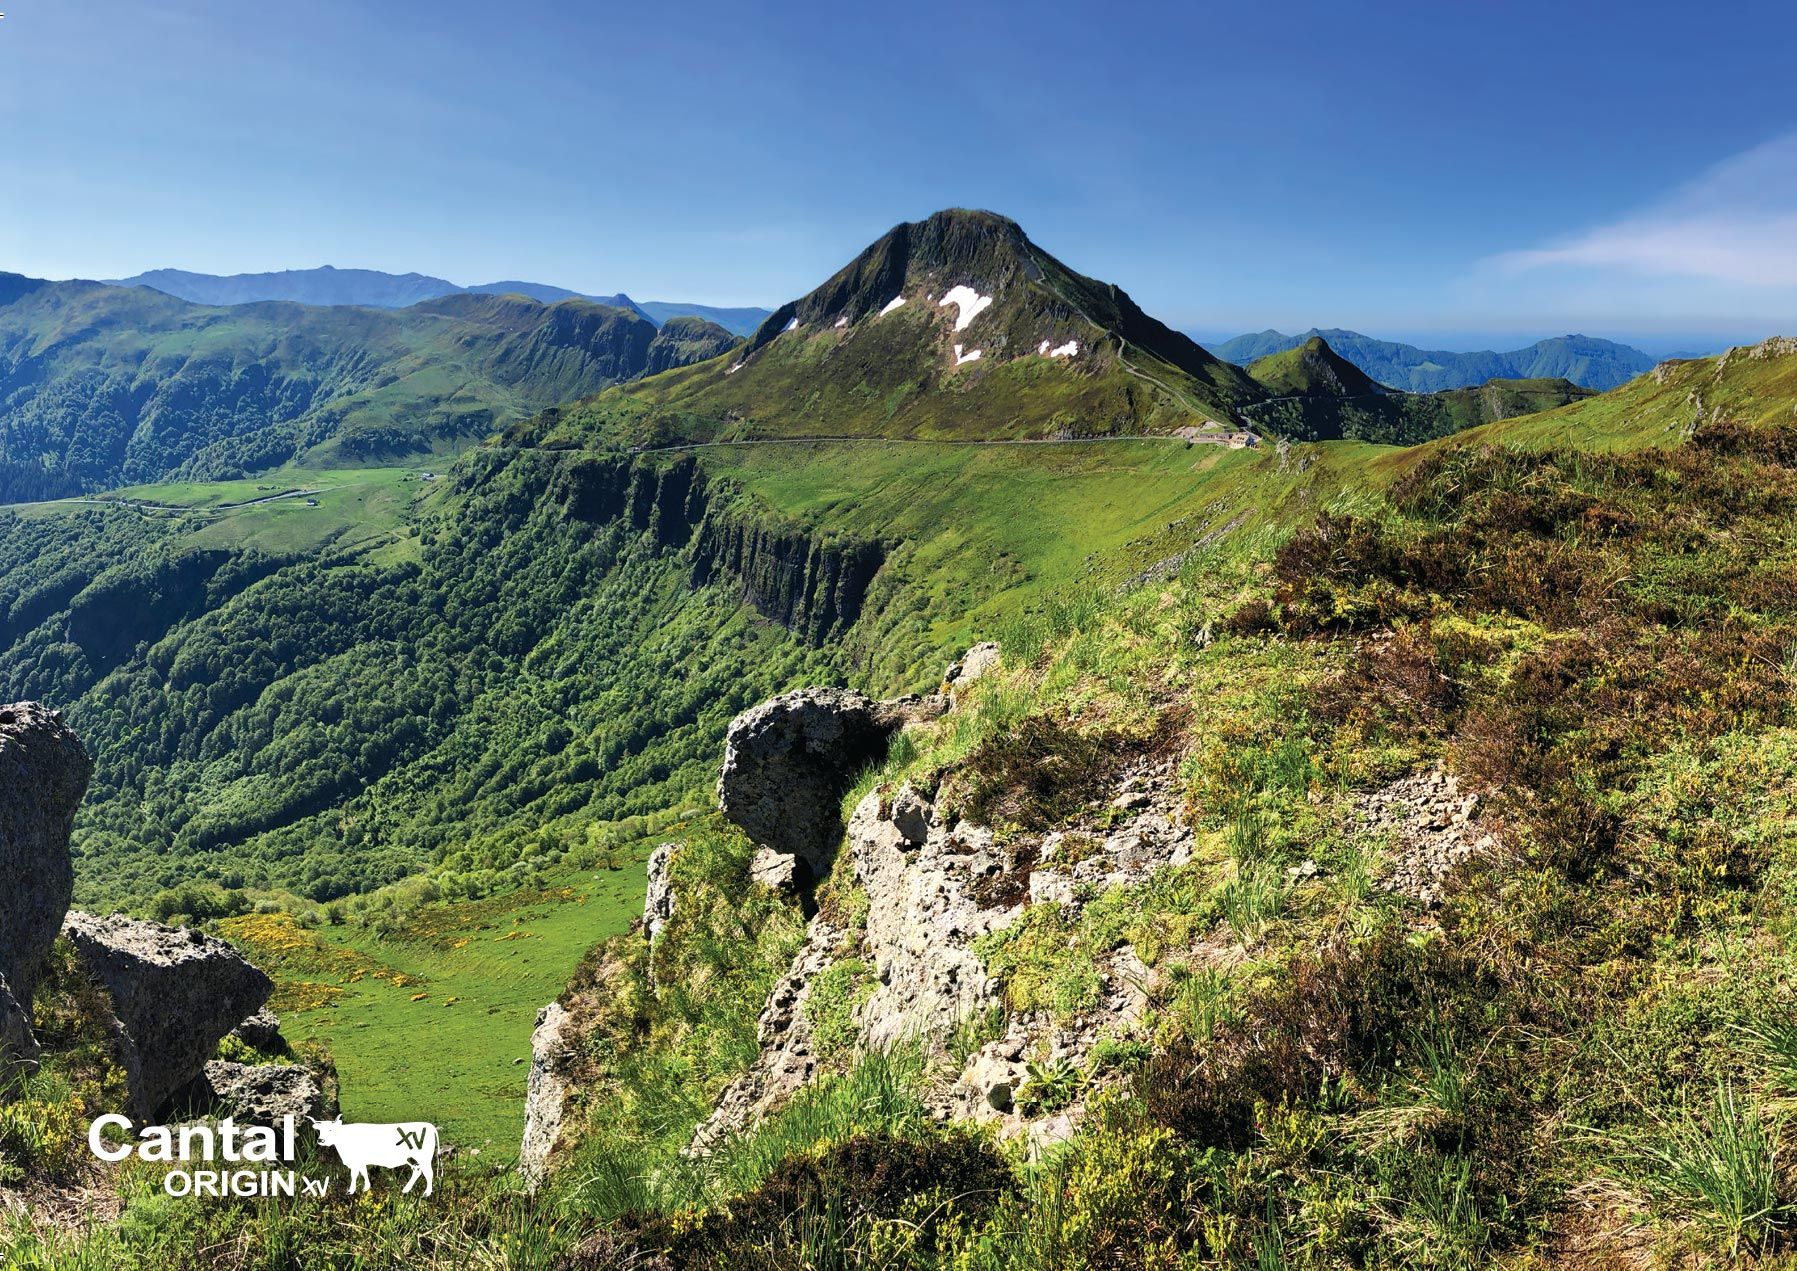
[
  {"x": 658, "y": 901},
  {"x": 993, "y": 1079},
  {"x": 175, "y": 994},
  {"x": 779, "y": 870},
  {"x": 979, "y": 661},
  {"x": 261, "y": 1031},
  {"x": 930, "y": 903},
  {"x": 911, "y": 815},
  {"x": 43, "y": 774},
  {"x": 788, "y": 762},
  {"x": 922, "y": 923},
  {"x": 788, "y": 1058},
  {"x": 546, "y": 1095},
  {"x": 18, "y": 1047},
  {"x": 261, "y": 1094}
]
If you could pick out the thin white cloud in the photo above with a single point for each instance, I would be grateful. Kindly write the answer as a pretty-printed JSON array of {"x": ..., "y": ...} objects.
[{"x": 1737, "y": 223}]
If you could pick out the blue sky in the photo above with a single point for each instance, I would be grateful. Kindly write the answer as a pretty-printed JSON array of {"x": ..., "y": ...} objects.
[{"x": 1465, "y": 172}]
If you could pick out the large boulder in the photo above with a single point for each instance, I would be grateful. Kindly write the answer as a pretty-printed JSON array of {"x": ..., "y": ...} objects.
[
  {"x": 788, "y": 762},
  {"x": 175, "y": 993},
  {"x": 977, "y": 663},
  {"x": 43, "y": 774},
  {"x": 547, "y": 1092}
]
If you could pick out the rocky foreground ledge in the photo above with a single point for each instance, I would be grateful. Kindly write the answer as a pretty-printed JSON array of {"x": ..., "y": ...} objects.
[
  {"x": 787, "y": 765},
  {"x": 170, "y": 994},
  {"x": 44, "y": 771}
]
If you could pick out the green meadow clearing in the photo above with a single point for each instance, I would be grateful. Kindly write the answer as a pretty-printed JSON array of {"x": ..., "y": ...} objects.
[
  {"x": 287, "y": 512},
  {"x": 432, "y": 1020}
]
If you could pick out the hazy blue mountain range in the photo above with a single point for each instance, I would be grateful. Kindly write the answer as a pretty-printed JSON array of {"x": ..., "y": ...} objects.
[
  {"x": 739, "y": 321},
  {"x": 328, "y": 285},
  {"x": 322, "y": 286},
  {"x": 1585, "y": 360}
]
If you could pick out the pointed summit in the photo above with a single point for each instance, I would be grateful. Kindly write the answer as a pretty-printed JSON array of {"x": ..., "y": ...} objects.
[
  {"x": 1313, "y": 369},
  {"x": 980, "y": 250},
  {"x": 955, "y": 326}
]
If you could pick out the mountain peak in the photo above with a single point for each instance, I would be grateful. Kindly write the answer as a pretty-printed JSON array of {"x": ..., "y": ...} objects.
[
  {"x": 954, "y": 247},
  {"x": 1312, "y": 369},
  {"x": 956, "y": 325}
]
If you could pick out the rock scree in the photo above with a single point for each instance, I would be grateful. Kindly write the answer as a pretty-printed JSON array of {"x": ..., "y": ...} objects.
[
  {"x": 175, "y": 994},
  {"x": 43, "y": 774}
]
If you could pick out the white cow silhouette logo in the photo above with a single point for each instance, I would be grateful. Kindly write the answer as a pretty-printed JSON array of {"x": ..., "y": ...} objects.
[{"x": 388, "y": 1144}]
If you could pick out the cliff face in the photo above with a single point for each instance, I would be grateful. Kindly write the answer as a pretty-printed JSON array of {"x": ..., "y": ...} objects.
[
  {"x": 685, "y": 340},
  {"x": 812, "y": 587},
  {"x": 43, "y": 774}
]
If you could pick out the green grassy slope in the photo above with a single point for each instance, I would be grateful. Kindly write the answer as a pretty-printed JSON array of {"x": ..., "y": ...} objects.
[
  {"x": 1312, "y": 368},
  {"x": 430, "y": 1011},
  {"x": 1605, "y": 636},
  {"x": 1583, "y": 1043}
]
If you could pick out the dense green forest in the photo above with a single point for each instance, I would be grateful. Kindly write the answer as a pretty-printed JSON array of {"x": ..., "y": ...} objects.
[{"x": 330, "y": 723}]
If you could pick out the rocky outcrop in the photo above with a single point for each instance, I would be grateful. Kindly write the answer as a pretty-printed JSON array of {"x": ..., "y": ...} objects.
[
  {"x": 174, "y": 994},
  {"x": 788, "y": 762},
  {"x": 934, "y": 888},
  {"x": 923, "y": 917},
  {"x": 811, "y": 586},
  {"x": 261, "y": 1094},
  {"x": 978, "y": 662},
  {"x": 43, "y": 774},
  {"x": 658, "y": 901},
  {"x": 546, "y": 1094},
  {"x": 685, "y": 340},
  {"x": 788, "y": 1058}
]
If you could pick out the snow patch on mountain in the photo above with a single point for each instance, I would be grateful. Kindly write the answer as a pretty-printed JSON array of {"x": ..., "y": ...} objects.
[{"x": 969, "y": 303}]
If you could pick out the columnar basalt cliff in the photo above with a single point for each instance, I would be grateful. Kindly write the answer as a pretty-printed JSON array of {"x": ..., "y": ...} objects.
[{"x": 812, "y": 587}]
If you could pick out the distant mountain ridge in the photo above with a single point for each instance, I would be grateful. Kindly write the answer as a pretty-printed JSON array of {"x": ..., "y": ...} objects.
[
  {"x": 328, "y": 285},
  {"x": 741, "y": 320},
  {"x": 103, "y": 385},
  {"x": 325, "y": 285},
  {"x": 1319, "y": 395},
  {"x": 1585, "y": 360}
]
